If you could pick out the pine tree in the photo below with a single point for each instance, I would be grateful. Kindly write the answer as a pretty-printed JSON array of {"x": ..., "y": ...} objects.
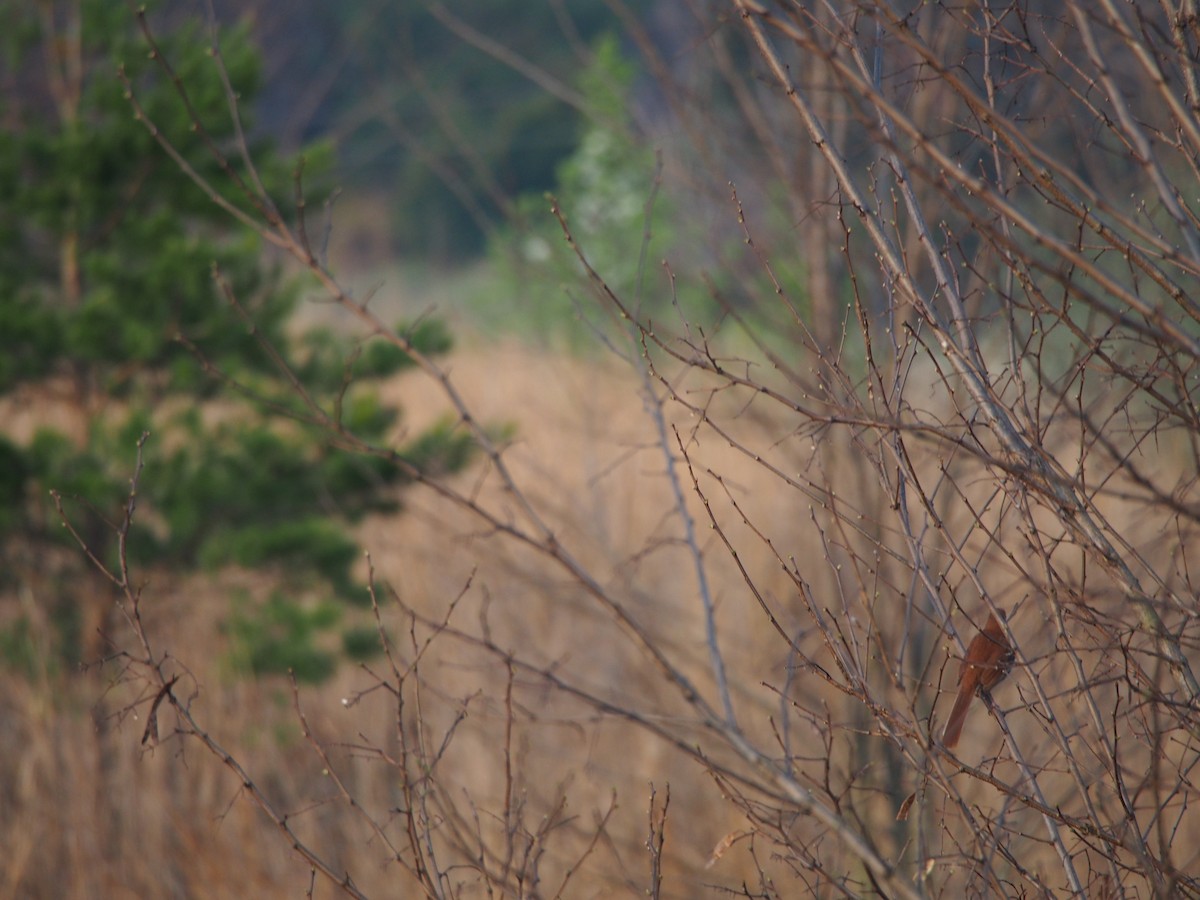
[{"x": 112, "y": 323}]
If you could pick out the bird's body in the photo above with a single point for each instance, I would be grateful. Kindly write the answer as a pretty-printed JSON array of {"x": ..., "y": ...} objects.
[{"x": 989, "y": 658}]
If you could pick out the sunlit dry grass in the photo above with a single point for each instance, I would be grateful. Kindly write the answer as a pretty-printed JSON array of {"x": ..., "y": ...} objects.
[{"x": 94, "y": 812}]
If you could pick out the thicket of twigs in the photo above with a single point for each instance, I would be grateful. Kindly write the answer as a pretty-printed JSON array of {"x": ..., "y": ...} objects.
[{"x": 980, "y": 396}]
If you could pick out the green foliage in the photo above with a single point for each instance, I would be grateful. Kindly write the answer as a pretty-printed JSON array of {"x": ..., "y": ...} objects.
[
  {"x": 19, "y": 647},
  {"x": 314, "y": 543},
  {"x": 463, "y": 129},
  {"x": 107, "y": 258},
  {"x": 281, "y": 637},
  {"x": 113, "y": 251},
  {"x": 14, "y": 471},
  {"x": 362, "y": 642},
  {"x": 603, "y": 189},
  {"x": 43, "y": 644},
  {"x": 75, "y": 472},
  {"x": 330, "y": 362},
  {"x": 30, "y": 338},
  {"x": 245, "y": 476},
  {"x": 443, "y": 448}
]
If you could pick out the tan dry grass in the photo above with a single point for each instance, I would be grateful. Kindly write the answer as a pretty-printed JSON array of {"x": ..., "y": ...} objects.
[
  {"x": 584, "y": 451},
  {"x": 95, "y": 815}
]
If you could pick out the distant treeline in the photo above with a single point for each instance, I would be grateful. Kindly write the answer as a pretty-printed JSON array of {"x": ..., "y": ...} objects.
[{"x": 421, "y": 103}]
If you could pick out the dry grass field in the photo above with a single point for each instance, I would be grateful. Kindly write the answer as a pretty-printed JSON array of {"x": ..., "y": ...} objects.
[
  {"x": 556, "y": 789},
  {"x": 92, "y": 812}
]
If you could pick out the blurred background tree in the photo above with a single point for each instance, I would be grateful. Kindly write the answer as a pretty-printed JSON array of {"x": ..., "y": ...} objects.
[
  {"x": 449, "y": 113},
  {"x": 123, "y": 291}
]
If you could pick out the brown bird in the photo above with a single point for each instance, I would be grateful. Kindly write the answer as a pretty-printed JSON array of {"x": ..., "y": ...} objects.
[{"x": 989, "y": 658}]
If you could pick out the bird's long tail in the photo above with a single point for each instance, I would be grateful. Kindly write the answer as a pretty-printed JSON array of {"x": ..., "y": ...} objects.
[{"x": 958, "y": 715}]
